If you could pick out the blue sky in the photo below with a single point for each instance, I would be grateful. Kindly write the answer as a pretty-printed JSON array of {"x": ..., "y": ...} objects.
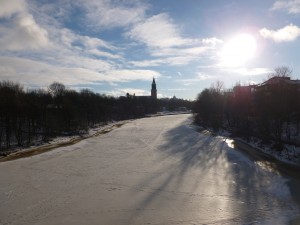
[{"x": 118, "y": 46}]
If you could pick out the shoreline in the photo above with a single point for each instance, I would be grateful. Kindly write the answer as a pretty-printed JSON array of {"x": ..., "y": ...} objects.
[
  {"x": 257, "y": 154},
  {"x": 36, "y": 150},
  {"x": 266, "y": 153}
]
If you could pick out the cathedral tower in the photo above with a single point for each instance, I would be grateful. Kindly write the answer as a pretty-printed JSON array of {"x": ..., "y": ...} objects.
[{"x": 153, "y": 90}]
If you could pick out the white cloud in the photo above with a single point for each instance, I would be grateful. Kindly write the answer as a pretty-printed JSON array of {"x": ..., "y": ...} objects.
[
  {"x": 163, "y": 39},
  {"x": 249, "y": 71},
  {"x": 52, "y": 12},
  {"x": 195, "y": 51},
  {"x": 148, "y": 63},
  {"x": 62, "y": 51},
  {"x": 92, "y": 42},
  {"x": 74, "y": 50},
  {"x": 292, "y": 6},
  {"x": 202, "y": 76},
  {"x": 173, "y": 56},
  {"x": 110, "y": 14},
  {"x": 158, "y": 31},
  {"x": 68, "y": 38},
  {"x": 73, "y": 60},
  {"x": 212, "y": 41},
  {"x": 31, "y": 72},
  {"x": 189, "y": 82},
  {"x": 180, "y": 60},
  {"x": 100, "y": 53},
  {"x": 174, "y": 61},
  {"x": 54, "y": 53},
  {"x": 175, "y": 89},
  {"x": 70, "y": 45},
  {"x": 131, "y": 75},
  {"x": 285, "y": 34},
  {"x": 23, "y": 33},
  {"x": 10, "y": 7}
]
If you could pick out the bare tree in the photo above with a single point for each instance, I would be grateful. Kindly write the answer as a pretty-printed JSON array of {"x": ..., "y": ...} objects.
[
  {"x": 56, "y": 89},
  {"x": 218, "y": 86},
  {"x": 282, "y": 71}
]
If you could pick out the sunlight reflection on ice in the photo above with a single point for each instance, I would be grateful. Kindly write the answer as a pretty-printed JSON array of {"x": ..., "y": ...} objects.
[{"x": 229, "y": 142}]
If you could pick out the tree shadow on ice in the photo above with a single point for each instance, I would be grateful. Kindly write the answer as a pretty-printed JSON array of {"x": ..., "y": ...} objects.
[
  {"x": 182, "y": 151},
  {"x": 205, "y": 166}
]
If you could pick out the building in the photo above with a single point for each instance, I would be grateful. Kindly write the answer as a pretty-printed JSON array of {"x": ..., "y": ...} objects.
[
  {"x": 141, "y": 105},
  {"x": 267, "y": 87},
  {"x": 278, "y": 82},
  {"x": 243, "y": 90},
  {"x": 153, "y": 95}
]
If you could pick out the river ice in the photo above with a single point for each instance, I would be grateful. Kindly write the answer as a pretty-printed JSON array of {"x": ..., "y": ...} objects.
[{"x": 156, "y": 170}]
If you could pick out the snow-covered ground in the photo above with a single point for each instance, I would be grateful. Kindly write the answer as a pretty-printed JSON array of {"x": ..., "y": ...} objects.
[{"x": 156, "y": 170}]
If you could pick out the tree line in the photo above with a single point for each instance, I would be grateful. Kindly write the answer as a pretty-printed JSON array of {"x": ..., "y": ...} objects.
[
  {"x": 39, "y": 115},
  {"x": 269, "y": 112}
]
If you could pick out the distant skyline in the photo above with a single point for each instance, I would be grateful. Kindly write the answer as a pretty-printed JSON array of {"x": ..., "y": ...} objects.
[{"x": 118, "y": 46}]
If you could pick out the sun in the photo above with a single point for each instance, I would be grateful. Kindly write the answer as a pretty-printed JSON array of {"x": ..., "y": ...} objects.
[{"x": 238, "y": 50}]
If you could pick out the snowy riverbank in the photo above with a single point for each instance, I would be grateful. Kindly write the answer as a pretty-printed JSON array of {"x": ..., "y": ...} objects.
[
  {"x": 289, "y": 155},
  {"x": 40, "y": 146}
]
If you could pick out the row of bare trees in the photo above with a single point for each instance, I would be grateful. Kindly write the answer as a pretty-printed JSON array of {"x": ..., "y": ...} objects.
[
  {"x": 270, "y": 112},
  {"x": 38, "y": 115},
  {"x": 28, "y": 116}
]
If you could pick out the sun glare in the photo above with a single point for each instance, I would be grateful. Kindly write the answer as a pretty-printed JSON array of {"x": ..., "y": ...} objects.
[{"x": 238, "y": 50}]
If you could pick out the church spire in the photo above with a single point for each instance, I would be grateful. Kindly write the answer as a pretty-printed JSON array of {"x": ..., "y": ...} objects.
[{"x": 153, "y": 90}]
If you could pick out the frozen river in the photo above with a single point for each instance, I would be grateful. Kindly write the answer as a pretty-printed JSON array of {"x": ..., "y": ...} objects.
[{"x": 149, "y": 171}]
